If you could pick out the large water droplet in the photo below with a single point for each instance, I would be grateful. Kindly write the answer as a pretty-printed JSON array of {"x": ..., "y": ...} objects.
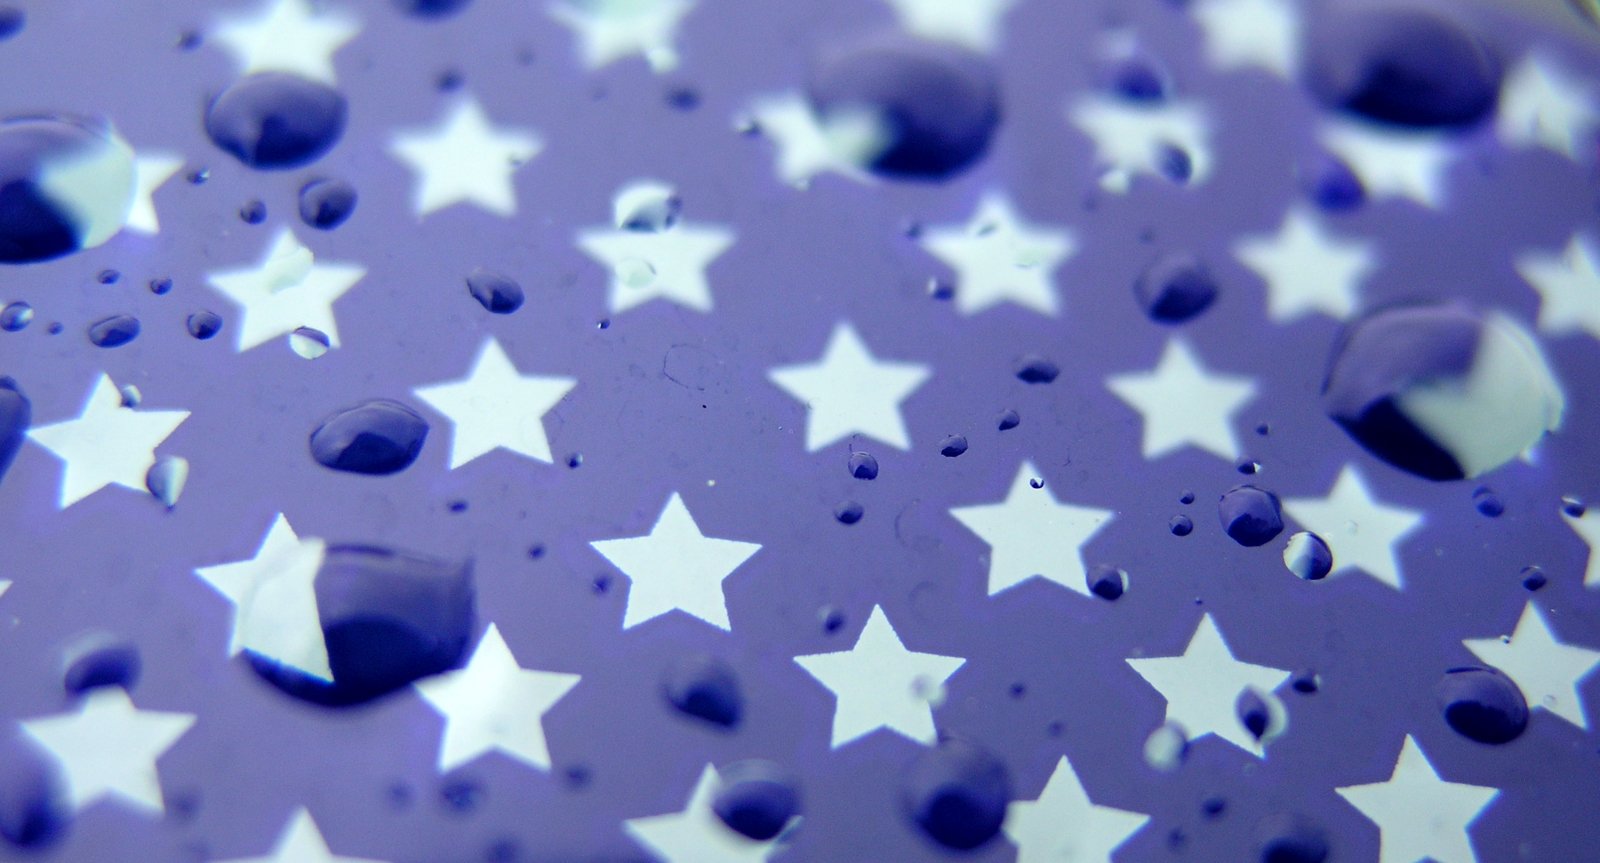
[
  {"x": 65, "y": 185},
  {"x": 1482, "y": 704},
  {"x": 1307, "y": 556},
  {"x": 276, "y": 121},
  {"x": 377, "y": 437},
  {"x": 757, "y": 799},
  {"x": 326, "y": 204},
  {"x": 498, "y": 293},
  {"x": 99, "y": 659},
  {"x": 1175, "y": 288},
  {"x": 15, "y": 414},
  {"x": 114, "y": 331},
  {"x": 705, "y": 688},
  {"x": 957, "y": 793},
  {"x": 1250, "y": 516}
]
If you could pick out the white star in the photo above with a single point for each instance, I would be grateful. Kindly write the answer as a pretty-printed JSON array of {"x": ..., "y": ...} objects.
[
  {"x": 150, "y": 170},
  {"x": 1242, "y": 33},
  {"x": 610, "y": 30},
  {"x": 1548, "y": 671},
  {"x": 1032, "y": 535},
  {"x": 286, "y": 291},
  {"x": 1543, "y": 106},
  {"x": 1202, "y": 687},
  {"x": 1307, "y": 269},
  {"x": 1062, "y": 826},
  {"x": 1418, "y": 814},
  {"x": 1133, "y": 138},
  {"x": 998, "y": 257},
  {"x": 466, "y": 159},
  {"x": 670, "y": 265},
  {"x": 878, "y": 683},
  {"x": 676, "y": 566},
  {"x": 494, "y": 704},
  {"x": 1587, "y": 527},
  {"x": 301, "y": 842},
  {"x": 1569, "y": 286},
  {"x": 806, "y": 147},
  {"x": 1183, "y": 404},
  {"x": 107, "y": 444},
  {"x": 287, "y": 36},
  {"x": 275, "y": 601},
  {"x": 1361, "y": 532},
  {"x": 109, "y": 748},
  {"x": 1393, "y": 164},
  {"x": 697, "y": 834},
  {"x": 974, "y": 24},
  {"x": 496, "y": 406},
  {"x": 848, "y": 391}
]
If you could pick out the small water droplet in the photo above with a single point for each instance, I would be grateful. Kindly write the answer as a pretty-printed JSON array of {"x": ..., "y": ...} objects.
[
  {"x": 495, "y": 292},
  {"x": 957, "y": 793},
  {"x": 952, "y": 446},
  {"x": 1186, "y": 498},
  {"x": 69, "y": 185},
  {"x": 1009, "y": 419},
  {"x": 831, "y": 618},
  {"x": 1108, "y": 582},
  {"x": 99, "y": 659},
  {"x": 756, "y": 799},
  {"x": 1036, "y": 482},
  {"x": 160, "y": 286},
  {"x": 15, "y": 316},
  {"x": 862, "y": 465},
  {"x": 449, "y": 80},
  {"x": 848, "y": 512},
  {"x": 198, "y": 176},
  {"x": 1573, "y": 507},
  {"x": 325, "y": 204},
  {"x": 1306, "y": 682},
  {"x": 1307, "y": 556},
  {"x": 1487, "y": 502},
  {"x": 308, "y": 343},
  {"x": 646, "y": 206},
  {"x": 461, "y": 796},
  {"x": 575, "y": 460},
  {"x": 12, "y": 21},
  {"x": 108, "y": 277},
  {"x": 941, "y": 289},
  {"x": 1290, "y": 838},
  {"x": 1262, "y": 714},
  {"x": 131, "y": 396},
  {"x": 1213, "y": 807},
  {"x": 1250, "y": 516},
  {"x": 683, "y": 98},
  {"x": 253, "y": 212},
  {"x": 1174, "y": 289},
  {"x": 1482, "y": 704},
  {"x": 1533, "y": 578},
  {"x": 114, "y": 331},
  {"x": 204, "y": 324},
  {"x": 1248, "y": 466},
  {"x": 166, "y": 479},
  {"x": 1166, "y": 748},
  {"x": 1180, "y": 525},
  {"x": 705, "y": 688},
  {"x": 1034, "y": 369}
]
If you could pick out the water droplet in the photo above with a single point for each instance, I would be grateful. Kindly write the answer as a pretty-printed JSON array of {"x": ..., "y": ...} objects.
[
  {"x": 1573, "y": 507},
  {"x": 1247, "y": 466},
  {"x": 1213, "y": 807},
  {"x": 756, "y": 799},
  {"x": 68, "y": 185},
  {"x": 108, "y": 277},
  {"x": 1307, "y": 556},
  {"x": 326, "y": 204},
  {"x": 15, "y": 414},
  {"x": 953, "y": 446},
  {"x": 1107, "y": 582},
  {"x": 1174, "y": 289},
  {"x": 1166, "y": 748},
  {"x": 941, "y": 289},
  {"x": 54, "y": 329},
  {"x": 848, "y": 512},
  {"x": 863, "y": 465},
  {"x": 1290, "y": 838},
  {"x": 160, "y": 286},
  {"x": 15, "y": 316},
  {"x": 99, "y": 659},
  {"x": 34, "y": 804},
  {"x": 199, "y": 176},
  {"x": 461, "y": 796},
  {"x": 114, "y": 331},
  {"x": 1482, "y": 704},
  {"x": 646, "y": 206},
  {"x": 276, "y": 121},
  {"x": 1175, "y": 163},
  {"x": 1262, "y": 714},
  {"x": 1487, "y": 502},
  {"x": 1180, "y": 525},
  {"x": 1034, "y": 369},
  {"x": 1533, "y": 577},
  {"x": 377, "y": 438},
  {"x": 1250, "y": 516},
  {"x": 1009, "y": 419},
  {"x": 1306, "y": 682},
  {"x": 634, "y": 273},
  {"x": 431, "y": 8},
  {"x": 683, "y": 98},
  {"x": 706, "y": 688},
  {"x": 253, "y": 212},
  {"x": 1406, "y": 66},
  {"x": 166, "y": 478},
  {"x": 1036, "y": 482},
  {"x": 1186, "y": 498},
  {"x": 575, "y": 460},
  {"x": 495, "y": 292},
  {"x": 204, "y": 324},
  {"x": 131, "y": 396},
  {"x": 449, "y": 81},
  {"x": 308, "y": 343},
  {"x": 1442, "y": 391},
  {"x": 456, "y": 507},
  {"x": 919, "y": 110},
  {"x": 1137, "y": 79},
  {"x": 957, "y": 793},
  {"x": 12, "y": 20},
  {"x": 1332, "y": 185}
]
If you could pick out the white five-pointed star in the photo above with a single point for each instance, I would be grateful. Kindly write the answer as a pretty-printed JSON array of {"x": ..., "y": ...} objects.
[
  {"x": 1361, "y": 532},
  {"x": 107, "y": 444},
  {"x": 150, "y": 170},
  {"x": 675, "y": 566},
  {"x": 109, "y": 748},
  {"x": 1393, "y": 164},
  {"x": 1031, "y": 534},
  {"x": 1202, "y": 687},
  {"x": 1543, "y": 106},
  {"x": 1547, "y": 670},
  {"x": 1063, "y": 826},
  {"x": 805, "y": 146},
  {"x": 1587, "y": 527},
  {"x": 496, "y": 406},
  {"x": 286, "y": 291},
  {"x": 998, "y": 257},
  {"x": 287, "y": 36},
  {"x": 466, "y": 159},
  {"x": 1240, "y": 33},
  {"x": 1419, "y": 815},
  {"x": 878, "y": 683},
  {"x": 1183, "y": 404},
  {"x": 1307, "y": 269},
  {"x": 609, "y": 30},
  {"x": 275, "y": 600},
  {"x": 646, "y": 265},
  {"x": 494, "y": 704},
  {"x": 301, "y": 842},
  {"x": 697, "y": 834},
  {"x": 1133, "y": 138},
  {"x": 975, "y": 24},
  {"x": 848, "y": 391},
  {"x": 1569, "y": 286}
]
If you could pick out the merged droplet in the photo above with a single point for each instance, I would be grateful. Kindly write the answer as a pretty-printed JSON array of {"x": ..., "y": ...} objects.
[
  {"x": 326, "y": 204},
  {"x": 15, "y": 316},
  {"x": 34, "y": 807},
  {"x": 706, "y": 688},
  {"x": 1174, "y": 289},
  {"x": 99, "y": 659},
  {"x": 65, "y": 185},
  {"x": 1307, "y": 556},
  {"x": 498, "y": 293},
  {"x": 276, "y": 121},
  {"x": 957, "y": 793},
  {"x": 1482, "y": 704},
  {"x": 15, "y": 414},
  {"x": 756, "y": 799},
  {"x": 377, "y": 438},
  {"x": 114, "y": 331},
  {"x": 1250, "y": 516}
]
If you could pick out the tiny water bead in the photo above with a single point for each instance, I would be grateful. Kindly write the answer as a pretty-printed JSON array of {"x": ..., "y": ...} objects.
[
  {"x": 1247, "y": 466},
  {"x": 108, "y": 277},
  {"x": 160, "y": 286},
  {"x": 862, "y": 465},
  {"x": 848, "y": 512},
  {"x": 957, "y": 793},
  {"x": 1307, "y": 556},
  {"x": 15, "y": 316},
  {"x": 1107, "y": 582},
  {"x": 131, "y": 395},
  {"x": 15, "y": 414},
  {"x": 832, "y": 619},
  {"x": 1250, "y": 516},
  {"x": 704, "y": 688},
  {"x": 204, "y": 324},
  {"x": 941, "y": 289},
  {"x": 114, "y": 331},
  {"x": 1332, "y": 185},
  {"x": 65, "y": 184},
  {"x": 1181, "y": 525},
  {"x": 376, "y": 438},
  {"x": 1533, "y": 577},
  {"x": 1138, "y": 78},
  {"x": 1186, "y": 498},
  {"x": 326, "y": 204},
  {"x": 1035, "y": 369},
  {"x": 497, "y": 293},
  {"x": 99, "y": 659},
  {"x": 952, "y": 446},
  {"x": 1175, "y": 288},
  {"x": 1290, "y": 838},
  {"x": 1487, "y": 502},
  {"x": 253, "y": 212},
  {"x": 756, "y": 799},
  {"x": 1008, "y": 420},
  {"x": 273, "y": 120},
  {"x": 1482, "y": 704},
  {"x": 166, "y": 478}
]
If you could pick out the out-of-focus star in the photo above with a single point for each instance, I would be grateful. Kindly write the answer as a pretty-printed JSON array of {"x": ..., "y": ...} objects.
[
  {"x": 1134, "y": 138},
  {"x": 974, "y": 24},
  {"x": 1030, "y": 534},
  {"x": 849, "y": 391},
  {"x": 1184, "y": 404},
  {"x": 150, "y": 170},
  {"x": 1541, "y": 105},
  {"x": 1063, "y": 826},
  {"x": 1568, "y": 283},
  {"x": 805, "y": 146},
  {"x": 998, "y": 257},
  {"x": 466, "y": 159},
  {"x": 1419, "y": 815},
  {"x": 275, "y": 600},
  {"x": 1307, "y": 269},
  {"x": 1393, "y": 164},
  {"x": 669, "y": 265},
  {"x": 1547, "y": 670},
  {"x": 697, "y": 835},
  {"x": 675, "y": 566},
  {"x": 609, "y": 30},
  {"x": 108, "y": 748},
  {"x": 286, "y": 291},
  {"x": 302, "y": 842},
  {"x": 106, "y": 444},
  {"x": 1242, "y": 33},
  {"x": 1362, "y": 532},
  {"x": 287, "y": 36},
  {"x": 495, "y": 406},
  {"x": 1202, "y": 687}
]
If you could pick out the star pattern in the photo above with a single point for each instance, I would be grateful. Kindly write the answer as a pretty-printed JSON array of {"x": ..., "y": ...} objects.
[
  {"x": 997, "y": 258},
  {"x": 1542, "y": 105},
  {"x": 107, "y": 443},
  {"x": 975, "y": 24},
  {"x": 849, "y": 391},
  {"x": 697, "y": 835},
  {"x": 1362, "y": 532},
  {"x": 1183, "y": 404},
  {"x": 150, "y": 171},
  {"x": 609, "y": 30},
  {"x": 1138, "y": 138},
  {"x": 1307, "y": 269},
  {"x": 301, "y": 842},
  {"x": 669, "y": 265},
  {"x": 806, "y": 147},
  {"x": 1063, "y": 826},
  {"x": 1032, "y": 535},
  {"x": 287, "y": 36},
  {"x": 1393, "y": 164},
  {"x": 286, "y": 291},
  {"x": 466, "y": 159},
  {"x": 1245, "y": 33},
  {"x": 497, "y": 407},
  {"x": 878, "y": 683},
  {"x": 676, "y": 567},
  {"x": 1569, "y": 286},
  {"x": 1587, "y": 527},
  {"x": 107, "y": 749},
  {"x": 1547, "y": 670},
  {"x": 1202, "y": 687},
  {"x": 1418, "y": 814},
  {"x": 275, "y": 600}
]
